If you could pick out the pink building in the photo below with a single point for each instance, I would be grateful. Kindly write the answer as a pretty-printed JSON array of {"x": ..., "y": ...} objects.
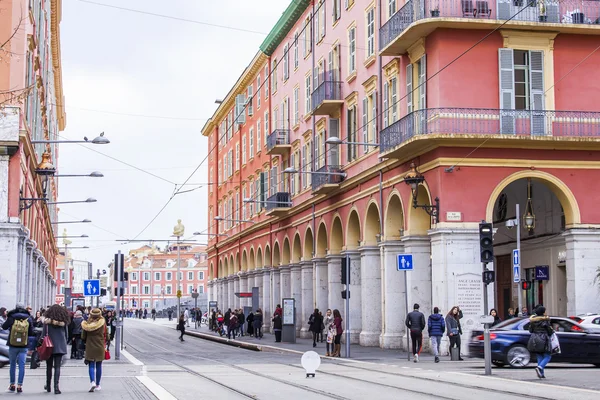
[
  {"x": 395, "y": 129},
  {"x": 31, "y": 109}
]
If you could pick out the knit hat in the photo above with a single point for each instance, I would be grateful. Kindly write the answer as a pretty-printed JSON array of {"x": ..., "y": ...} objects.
[
  {"x": 96, "y": 312},
  {"x": 541, "y": 310},
  {"x": 78, "y": 314}
]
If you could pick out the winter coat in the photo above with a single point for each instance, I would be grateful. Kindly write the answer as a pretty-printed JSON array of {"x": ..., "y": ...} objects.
[
  {"x": 59, "y": 334},
  {"x": 328, "y": 321},
  {"x": 93, "y": 334},
  {"x": 541, "y": 330},
  {"x": 415, "y": 321},
  {"x": 76, "y": 326},
  {"x": 279, "y": 311},
  {"x": 497, "y": 320},
  {"x": 258, "y": 320},
  {"x": 338, "y": 325},
  {"x": 315, "y": 323},
  {"x": 181, "y": 325},
  {"x": 436, "y": 325},
  {"x": 277, "y": 322},
  {"x": 18, "y": 314},
  {"x": 227, "y": 317},
  {"x": 452, "y": 323}
]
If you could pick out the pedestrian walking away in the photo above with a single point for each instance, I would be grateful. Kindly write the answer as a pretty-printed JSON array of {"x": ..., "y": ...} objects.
[
  {"x": 75, "y": 335},
  {"x": 415, "y": 321},
  {"x": 56, "y": 322},
  {"x": 436, "y": 328},
  {"x": 94, "y": 335},
  {"x": 315, "y": 321},
  {"x": 258, "y": 321},
  {"x": 181, "y": 327},
  {"x": 19, "y": 323},
  {"x": 539, "y": 341}
]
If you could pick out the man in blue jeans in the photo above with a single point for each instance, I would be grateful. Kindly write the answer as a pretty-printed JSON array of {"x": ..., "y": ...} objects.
[{"x": 17, "y": 353}]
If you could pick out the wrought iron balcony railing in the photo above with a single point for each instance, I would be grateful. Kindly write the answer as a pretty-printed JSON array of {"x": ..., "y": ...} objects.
[
  {"x": 278, "y": 137},
  {"x": 542, "y": 11},
  {"x": 327, "y": 90},
  {"x": 480, "y": 121},
  {"x": 279, "y": 200},
  {"x": 323, "y": 177}
]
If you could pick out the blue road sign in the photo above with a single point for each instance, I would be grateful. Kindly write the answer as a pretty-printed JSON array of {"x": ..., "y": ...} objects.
[
  {"x": 516, "y": 266},
  {"x": 91, "y": 287},
  {"x": 405, "y": 262}
]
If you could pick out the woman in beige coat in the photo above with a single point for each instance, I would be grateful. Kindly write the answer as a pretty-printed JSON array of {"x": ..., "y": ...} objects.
[{"x": 94, "y": 335}]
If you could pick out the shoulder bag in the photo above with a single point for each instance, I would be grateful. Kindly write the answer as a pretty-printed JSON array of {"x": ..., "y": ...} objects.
[
  {"x": 106, "y": 350},
  {"x": 46, "y": 347}
]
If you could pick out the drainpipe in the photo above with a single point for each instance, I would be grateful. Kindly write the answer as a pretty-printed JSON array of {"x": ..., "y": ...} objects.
[
  {"x": 380, "y": 125},
  {"x": 313, "y": 46}
]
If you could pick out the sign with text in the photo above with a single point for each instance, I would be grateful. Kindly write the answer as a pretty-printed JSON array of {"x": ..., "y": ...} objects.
[{"x": 288, "y": 311}]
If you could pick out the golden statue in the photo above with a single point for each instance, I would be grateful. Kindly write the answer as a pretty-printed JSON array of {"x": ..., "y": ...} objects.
[{"x": 179, "y": 229}]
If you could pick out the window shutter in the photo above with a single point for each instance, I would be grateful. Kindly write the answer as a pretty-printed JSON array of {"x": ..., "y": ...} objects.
[
  {"x": 303, "y": 165},
  {"x": 334, "y": 152},
  {"x": 423, "y": 83},
  {"x": 349, "y": 134},
  {"x": 323, "y": 19},
  {"x": 293, "y": 165},
  {"x": 386, "y": 93},
  {"x": 240, "y": 116},
  {"x": 249, "y": 101},
  {"x": 505, "y": 9},
  {"x": 507, "y": 90},
  {"x": 365, "y": 125},
  {"x": 262, "y": 188},
  {"x": 330, "y": 66},
  {"x": 373, "y": 121},
  {"x": 394, "y": 100},
  {"x": 409, "y": 88},
  {"x": 536, "y": 90}
]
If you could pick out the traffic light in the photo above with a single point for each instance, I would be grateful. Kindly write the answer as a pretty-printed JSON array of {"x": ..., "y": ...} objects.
[
  {"x": 125, "y": 276},
  {"x": 119, "y": 267},
  {"x": 525, "y": 285},
  {"x": 488, "y": 277},
  {"x": 345, "y": 279},
  {"x": 486, "y": 243},
  {"x": 122, "y": 292},
  {"x": 102, "y": 292}
]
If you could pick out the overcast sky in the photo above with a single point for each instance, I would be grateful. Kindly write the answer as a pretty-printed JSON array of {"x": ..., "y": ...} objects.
[{"x": 123, "y": 62}]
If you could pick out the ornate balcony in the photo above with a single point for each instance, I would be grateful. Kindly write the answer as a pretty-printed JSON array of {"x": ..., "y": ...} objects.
[
  {"x": 279, "y": 204},
  {"x": 421, "y": 129},
  {"x": 278, "y": 142},
  {"x": 327, "y": 179},
  {"x": 424, "y": 16},
  {"x": 327, "y": 98}
]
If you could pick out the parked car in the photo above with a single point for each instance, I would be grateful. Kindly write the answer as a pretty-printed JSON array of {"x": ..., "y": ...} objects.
[
  {"x": 586, "y": 318},
  {"x": 509, "y": 339}
]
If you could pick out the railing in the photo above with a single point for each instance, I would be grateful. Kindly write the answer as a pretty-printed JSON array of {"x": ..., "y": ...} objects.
[
  {"x": 279, "y": 200},
  {"x": 327, "y": 90},
  {"x": 278, "y": 137},
  {"x": 480, "y": 121},
  {"x": 323, "y": 177},
  {"x": 544, "y": 11}
]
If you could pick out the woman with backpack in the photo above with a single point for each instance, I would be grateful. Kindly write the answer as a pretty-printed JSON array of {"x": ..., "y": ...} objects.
[
  {"x": 56, "y": 322},
  {"x": 94, "y": 335},
  {"x": 20, "y": 326}
]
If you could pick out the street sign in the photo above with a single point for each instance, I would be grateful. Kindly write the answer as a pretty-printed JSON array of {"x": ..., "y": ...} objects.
[
  {"x": 542, "y": 272},
  {"x": 91, "y": 287},
  {"x": 405, "y": 262},
  {"x": 179, "y": 293},
  {"x": 516, "y": 257}
]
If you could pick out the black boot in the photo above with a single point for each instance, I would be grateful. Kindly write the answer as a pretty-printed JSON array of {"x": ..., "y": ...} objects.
[
  {"x": 56, "y": 375},
  {"x": 47, "y": 387}
]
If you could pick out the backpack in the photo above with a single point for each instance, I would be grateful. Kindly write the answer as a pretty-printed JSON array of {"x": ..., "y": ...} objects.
[{"x": 19, "y": 333}]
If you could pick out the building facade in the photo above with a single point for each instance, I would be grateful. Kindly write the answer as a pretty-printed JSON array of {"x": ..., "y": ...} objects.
[
  {"x": 153, "y": 275},
  {"x": 31, "y": 108},
  {"x": 396, "y": 128}
]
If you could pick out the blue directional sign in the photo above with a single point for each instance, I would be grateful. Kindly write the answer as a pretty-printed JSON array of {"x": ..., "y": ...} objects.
[
  {"x": 91, "y": 287},
  {"x": 516, "y": 266},
  {"x": 405, "y": 262}
]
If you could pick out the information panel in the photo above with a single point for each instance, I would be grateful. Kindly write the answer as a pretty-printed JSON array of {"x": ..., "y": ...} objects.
[{"x": 288, "y": 311}]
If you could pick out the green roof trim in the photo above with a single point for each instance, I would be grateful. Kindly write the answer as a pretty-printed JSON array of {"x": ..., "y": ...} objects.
[{"x": 289, "y": 17}]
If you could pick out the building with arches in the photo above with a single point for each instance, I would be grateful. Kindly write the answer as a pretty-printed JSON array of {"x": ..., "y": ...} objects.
[{"x": 361, "y": 97}]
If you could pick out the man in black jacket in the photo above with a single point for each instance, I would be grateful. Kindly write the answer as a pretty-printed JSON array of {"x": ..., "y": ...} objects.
[{"x": 415, "y": 321}]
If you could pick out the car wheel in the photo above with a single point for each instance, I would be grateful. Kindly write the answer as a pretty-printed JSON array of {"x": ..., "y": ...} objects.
[
  {"x": 518, "y": 356},
  {"x": 499, "y": 364}
]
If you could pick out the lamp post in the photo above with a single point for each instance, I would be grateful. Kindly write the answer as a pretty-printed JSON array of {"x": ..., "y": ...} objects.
[
  {"x": 94, "y": 174},
  {"x": 88, "y": 200},
  {"x": 178, "y": 232},
  {"x": 46, "y": 170},
  {"x": 67, "y": 242},
  {"x": 83, "y": 221},
  {"x": 97, "y": 140}
]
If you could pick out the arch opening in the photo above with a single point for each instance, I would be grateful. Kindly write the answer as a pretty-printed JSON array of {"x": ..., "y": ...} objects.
[
  {"x": 321, "y": 241},
  {"x": 372, "y": 226},
  {"x": 394, "y": 218},
  {"x": 353, "y": 231}
]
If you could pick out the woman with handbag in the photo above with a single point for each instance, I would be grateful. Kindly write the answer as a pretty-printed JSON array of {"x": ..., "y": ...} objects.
[
  {"x": 453, "y": 328},
  {"x": 539, "y": 341},
  {"x": 330, "y": 332},
  {"x": 94, "y": 335},
  {"x": 56, "y": 322}
]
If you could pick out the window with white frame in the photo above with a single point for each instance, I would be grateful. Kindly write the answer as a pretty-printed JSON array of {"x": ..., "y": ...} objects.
[
  {"x": 286, "y": 62},
  {"x": 296, "y": 110},
  {"x": 134, "y": 289},
  {"x": 190, "y": 289},
  {"x": 251, "y": 143},
  {"x": 237, "y": 206},
  {"x": 157, "y": 276},
  {"x": 370, "y": 32},
  {"x": 134, "y": 276},
  {"x": 274, "y": 76},
  {"x": 258, "y": 96},
  {"x": 146, "y": 303},
  {"x": 190, "y": 275},
  {"x": 352, "y": 50},
  {"x": 307, "y": 94},
  {"x": 243, "y": 149},
  {"x": 337, "y": 10},
  {"x": 200, "y": 289},
  {"x": 391, "y": 8},
  {"x": 274, "y": 184},
  {"x": 307, "y": 36},
  {"x": 169, "y": 276},
  {"x": 249, "y": 101},
  {"x": 146, "y": 276},
  {"x": 156, "y": 289},
  {"x": 251, "y": 195},
  {"x": 181, "y": 276},
  {"x": 267, "y": 81},
  {"x": 200, "y": 275},
  {"x": 146, "y": 289},
  {"x": 237, "y": 156},
  {"x": 168, "y": 289},
  {"x": 296, "y": 61},
  {"x": 266, "y": 126},
  {"x": 62, "y": 275},
  {"x": 258, "y": 136}
]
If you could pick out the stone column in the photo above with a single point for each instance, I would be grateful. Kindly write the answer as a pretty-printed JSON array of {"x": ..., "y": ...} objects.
[
  {"x": 36, "y": 280},
  {"x": 209, "y": 290},
  {"x": 308, "y": 303},
  {"x": 334, "y": 281},
  {"x": 231, "y": 292},
  {"x": 258, "y": 282},
  {"x": 285, "y": 283},
  {"x": 393, "y": 301},
  {"x": 276, "y": 288},
  {"x": 243, "y": 287},
  {"x": 321, "y": 294},
  {"x": 222, "y": 285},
  {"x": 236, "y": 289},
  {"x": 370, "y": 271},
  {"x": 355, "y": 297},
  {"x": 266, "y": 298},
  {"x": 21, "y": 266},
  {"x": 296, "y": 286},
  {"x": 583, "y": 260}
]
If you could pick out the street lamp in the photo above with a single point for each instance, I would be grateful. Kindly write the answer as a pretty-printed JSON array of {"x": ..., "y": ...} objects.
[
  {"x": 218, "y": 218},
  {"x": 292, "y": 170},
  {"x": 88, "y": 200},
  {"x": 69, "y": 237},
  {"x": 337, "y": 140},
  {"x": 414, "y": 179},
  {"x": 210, "y": 234},
  {"x": 94, "y": 174},
  {"x": 46, "y": 170},
  {"x": 98, "y": 140},
  {"x": 83, "y": 221}
]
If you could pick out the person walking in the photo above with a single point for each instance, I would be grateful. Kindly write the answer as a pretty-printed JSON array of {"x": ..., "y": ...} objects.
[
  {"x": 415, "y": 321},
  {"x": 539, "y": 341},
  {"x": 154, "y": 314},
  {"x": 181, "y": 326},
  {"x": 94, "y": 335},
  {"x": 454, "y": 329},
  {"x": 315, "y": 321},
  {"x": 277, "y": 326},
  {"x": 186, "y": 315},
  {"x": 170, "y": 314},
  {"x": 436, "y": 328},
  {"x": 56, "y": 322},
  {"x": 75, "y": 328},
  {"x": 337, "y": 321},
  {"x": 20, "y": 326},
  {"x": 257, "y": 322}
]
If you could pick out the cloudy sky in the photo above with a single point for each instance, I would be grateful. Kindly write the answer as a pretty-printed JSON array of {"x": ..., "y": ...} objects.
[{"x": 149, "y": 82}]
